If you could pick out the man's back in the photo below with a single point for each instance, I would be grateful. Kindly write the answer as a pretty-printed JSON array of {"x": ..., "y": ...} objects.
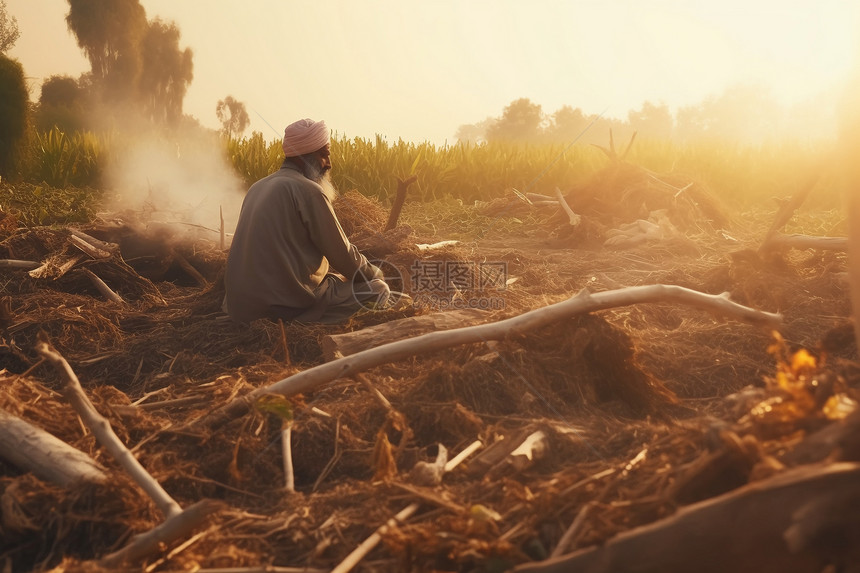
[{"x": 275, "y": 260}]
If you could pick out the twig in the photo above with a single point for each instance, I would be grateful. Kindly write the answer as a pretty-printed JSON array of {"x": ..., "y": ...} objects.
[
  {"x": 175, "y": 527},
  {"x": 98, "y": 243},
  {"x": 89, "y": 249},
  {"x": 581, "y": 303},
  {"x": 287, "y": 360},
  {"x": 105, "y": 435},
  {"x": 188, "y": 268},
  {"x": 380, "y": 397},
  {"x": 175, "y": 551},
  {"x": 467, "y": 451},
  {"x": 221, "y": 228},
  {"x": 257, "y": 569},
  {"x": 573, "y": 530},
  {"x": 573, "y": 217},
  {"x": 289, "y": 477},
  {"x": 368, "y": 544},
  {"x": 430, "y": 496},
  {"x": 334, "y": 458},
  {"x": 780, "y": 241},
  {"x": 102, "y": 287}
]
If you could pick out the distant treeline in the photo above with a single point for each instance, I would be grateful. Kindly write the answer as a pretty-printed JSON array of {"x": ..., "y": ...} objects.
[{"x": 741, "y": 114}]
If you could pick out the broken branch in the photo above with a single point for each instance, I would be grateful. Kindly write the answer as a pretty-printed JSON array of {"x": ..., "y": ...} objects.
[
  {"x": 581, "y": 303},
  {"x": 102, "y": 287},
  {"x": 573, "y": 217},
  {"x": 175, "y": 527},
  {"x": 399, "y": 199},
  {"x": 105, "y": 435}
]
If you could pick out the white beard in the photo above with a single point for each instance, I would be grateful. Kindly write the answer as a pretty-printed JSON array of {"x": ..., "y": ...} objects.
[
  {"x": 313, "y": 171},
  {"x": 328, "y": 187}
]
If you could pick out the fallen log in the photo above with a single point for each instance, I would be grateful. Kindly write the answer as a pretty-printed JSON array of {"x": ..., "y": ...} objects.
[
  {"x": 32, "y": 449},
  {"x": 583, "y": 302},
  {"x": 349, "y": 343},
  {"x": 799, "y": 521}
]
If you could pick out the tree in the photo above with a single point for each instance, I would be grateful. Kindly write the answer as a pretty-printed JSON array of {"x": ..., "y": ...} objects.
[
  {"x": 9, "y": 32},
  {"x": 233, "y": 116},
  {"x": 61, "y": 104},
  {"x": 567, "y": 124},
  {"x": 109, "y": 32},
  {"x": 166, "y": 72},
  {"x": 652, "y": 121},
  {"x": 741, "y": 113},
  {"x": 13, "y": 113},
  {"x": 136, "y": 64},
  {"x": 520, "y": 121},
  {"x": 474, "y": 132},
  {"x": 60, "y": 90}
]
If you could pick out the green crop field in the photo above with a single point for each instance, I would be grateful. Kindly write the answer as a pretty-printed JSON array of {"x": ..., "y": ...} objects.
[{"x": 62, "y": 178}]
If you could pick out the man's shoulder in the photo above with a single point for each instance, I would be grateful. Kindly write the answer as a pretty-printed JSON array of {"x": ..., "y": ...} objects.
[{"x": 284, "y": 179}]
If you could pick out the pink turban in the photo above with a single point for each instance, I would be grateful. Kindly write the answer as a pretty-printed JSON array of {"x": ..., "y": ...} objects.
[{"x": 305, "y": 136}]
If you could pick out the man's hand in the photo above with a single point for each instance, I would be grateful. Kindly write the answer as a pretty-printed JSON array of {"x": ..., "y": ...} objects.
[{"x": 382, "y": 291}]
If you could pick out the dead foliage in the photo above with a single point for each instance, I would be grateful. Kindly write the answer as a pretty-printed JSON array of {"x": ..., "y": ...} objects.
[{"x": 645, "y": 408}]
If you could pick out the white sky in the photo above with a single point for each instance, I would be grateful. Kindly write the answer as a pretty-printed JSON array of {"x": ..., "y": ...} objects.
[{"x": 418, "y": 70}]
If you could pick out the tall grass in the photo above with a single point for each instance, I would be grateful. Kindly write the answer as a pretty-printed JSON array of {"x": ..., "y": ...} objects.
[
  {"x": 466, "y": 172},
  {"x": 740, "y": 175},
  {"x": 62, "y": 160}
]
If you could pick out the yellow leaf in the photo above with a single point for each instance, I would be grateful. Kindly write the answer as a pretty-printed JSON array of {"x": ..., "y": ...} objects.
[{"x": 802, "y": 360}]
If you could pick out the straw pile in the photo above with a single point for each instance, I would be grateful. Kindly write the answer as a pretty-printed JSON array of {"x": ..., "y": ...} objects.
[{"x": 642, "y": 407}]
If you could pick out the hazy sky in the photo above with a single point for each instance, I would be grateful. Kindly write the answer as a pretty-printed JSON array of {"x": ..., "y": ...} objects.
[{"x": 418, "y": 70}]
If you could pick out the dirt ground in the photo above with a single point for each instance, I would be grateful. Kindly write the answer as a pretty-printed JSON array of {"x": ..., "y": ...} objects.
[{"x": 640, "y": 407}]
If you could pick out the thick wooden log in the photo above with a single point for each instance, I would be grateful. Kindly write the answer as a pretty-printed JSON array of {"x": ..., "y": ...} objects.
[
  {"x": 32, "y": 449},
  {"x": 337, "y": 345},
  {"x": 800, "y": 521}
]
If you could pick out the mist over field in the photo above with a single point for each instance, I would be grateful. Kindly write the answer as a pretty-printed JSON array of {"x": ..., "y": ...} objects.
[{"x": 187, "y": 180}]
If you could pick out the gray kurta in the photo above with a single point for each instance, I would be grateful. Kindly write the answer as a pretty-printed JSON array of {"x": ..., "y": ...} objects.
[{"x": 285, "y": 240}]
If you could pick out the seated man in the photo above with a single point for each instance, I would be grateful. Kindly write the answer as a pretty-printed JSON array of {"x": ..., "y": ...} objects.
[{"x": 288, "y": 238}]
